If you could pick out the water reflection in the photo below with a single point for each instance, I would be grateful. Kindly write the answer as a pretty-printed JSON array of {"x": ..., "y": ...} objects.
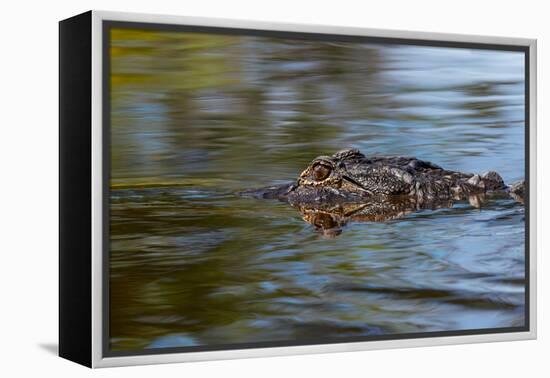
[
  {"x": 330, "y": 219},
  {"x": 196, "y": 117}
]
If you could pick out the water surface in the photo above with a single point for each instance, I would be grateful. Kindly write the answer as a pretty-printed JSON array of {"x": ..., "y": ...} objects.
[{"x": 197, "y": 117}]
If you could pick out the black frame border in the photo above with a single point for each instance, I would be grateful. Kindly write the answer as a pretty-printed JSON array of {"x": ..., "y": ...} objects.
[
  {"x": 75, "y": 193},
  {"x": 107, "y": 25}
]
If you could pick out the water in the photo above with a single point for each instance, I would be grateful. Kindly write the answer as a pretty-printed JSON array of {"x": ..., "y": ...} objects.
[{"x": 197, "y": 117}]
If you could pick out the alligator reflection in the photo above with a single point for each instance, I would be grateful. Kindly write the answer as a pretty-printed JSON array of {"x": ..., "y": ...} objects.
[{"x": 331, "y": 219}]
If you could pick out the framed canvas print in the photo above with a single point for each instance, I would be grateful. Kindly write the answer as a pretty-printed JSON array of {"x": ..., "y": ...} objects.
[{"x": 235, "y": 189}]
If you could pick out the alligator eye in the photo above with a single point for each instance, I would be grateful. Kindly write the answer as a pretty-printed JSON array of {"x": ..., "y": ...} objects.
[{"x": 321, "y": 172}]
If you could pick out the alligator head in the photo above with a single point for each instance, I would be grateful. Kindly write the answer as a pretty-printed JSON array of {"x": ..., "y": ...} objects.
[
  {"x": 346, "y": 176},
  {"x": 350, "y": 176}
]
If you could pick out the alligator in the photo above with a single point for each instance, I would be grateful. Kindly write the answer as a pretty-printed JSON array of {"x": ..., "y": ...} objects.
[{"x": 350, "y": 185}]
